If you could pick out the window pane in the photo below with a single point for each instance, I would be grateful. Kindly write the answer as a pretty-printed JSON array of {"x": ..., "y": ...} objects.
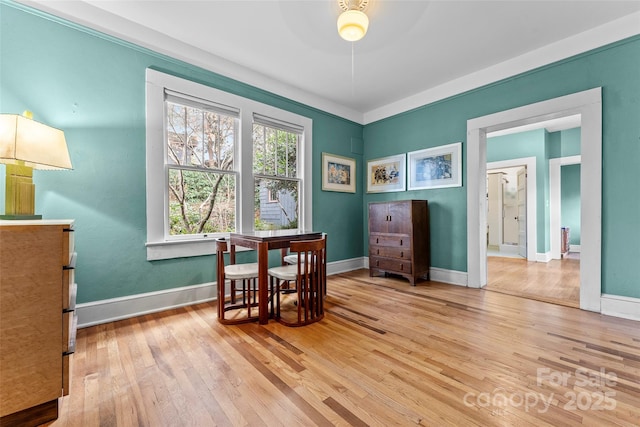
[
  {"x": 201, "y": 202},
  {"x": 200, "y": 138},
  {"x": 276, "y": 205},
  {"x": 275, "y": 151},
  {"x": 219, "y": 139},
  {"x": 176, "y": 134}
]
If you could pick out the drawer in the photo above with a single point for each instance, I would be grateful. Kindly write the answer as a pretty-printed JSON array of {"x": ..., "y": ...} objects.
[
  {"x": 69, "y": 289},
  {"x": 390, "y": 252},
  {"x": 68, "y": 246},
  {"x": 69, "y": 297},
  {"x": 69, "y": 328},
  {"x": 390, "y": 264},
  {"x": 396, "y": 240}
]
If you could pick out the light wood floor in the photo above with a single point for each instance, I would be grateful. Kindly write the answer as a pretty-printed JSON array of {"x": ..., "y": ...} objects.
[
  {"x": 385, "y": 354},
  {"x": 556, "y": 281}
]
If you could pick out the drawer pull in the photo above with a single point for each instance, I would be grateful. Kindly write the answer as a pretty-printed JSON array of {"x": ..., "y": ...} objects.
[
  {"x": 400, "y": 242},
  {"x": 401, "y": 254},
  {"x": 377, "y": 263},
  {"x": 377, "y": 240},
  {"x": 377, "y": 251},
  {"x": 401, "y": 266}
]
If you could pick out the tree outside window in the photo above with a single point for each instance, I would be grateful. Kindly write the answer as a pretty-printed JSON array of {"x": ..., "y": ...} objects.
[{"x": 202, "y": 181}]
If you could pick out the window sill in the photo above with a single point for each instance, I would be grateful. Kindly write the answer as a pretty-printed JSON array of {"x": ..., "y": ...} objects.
[{"x": 183, "y": 249}]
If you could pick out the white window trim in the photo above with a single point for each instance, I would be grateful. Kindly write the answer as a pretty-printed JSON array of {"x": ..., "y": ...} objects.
[{"x": 158, "y": 247}]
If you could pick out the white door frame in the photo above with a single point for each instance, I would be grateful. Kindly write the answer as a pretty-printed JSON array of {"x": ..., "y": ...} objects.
[
  {"x": 555, "y": 200},
  {"x": 589, "y": 105},
  {"x": 532, "y": 222}
]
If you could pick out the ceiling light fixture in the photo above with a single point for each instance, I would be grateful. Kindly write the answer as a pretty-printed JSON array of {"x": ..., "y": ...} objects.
[{"x": 353, "y": 22}]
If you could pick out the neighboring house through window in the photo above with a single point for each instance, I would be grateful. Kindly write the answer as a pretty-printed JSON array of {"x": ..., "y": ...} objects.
[{"x": 220, "y": 163}]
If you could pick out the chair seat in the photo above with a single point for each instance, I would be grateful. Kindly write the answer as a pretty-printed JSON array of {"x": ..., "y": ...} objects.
[
  {"x": 241, "y": 271},
  {"x": 286, "y": 272},
  {"x": 291, "y": 259}
]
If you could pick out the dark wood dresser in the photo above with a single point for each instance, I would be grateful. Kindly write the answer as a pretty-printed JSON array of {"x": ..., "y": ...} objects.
[{"x": 399, "y": 239}]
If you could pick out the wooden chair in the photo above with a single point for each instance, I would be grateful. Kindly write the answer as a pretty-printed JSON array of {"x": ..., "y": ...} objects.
[
  {"x": 292, "y": 258},
  {"x": 303, "y": 303},
  {"x": 235, "y": 303}
]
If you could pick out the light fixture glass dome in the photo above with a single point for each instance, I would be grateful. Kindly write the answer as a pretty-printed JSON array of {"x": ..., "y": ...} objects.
[{"x": 352, "y": 25}]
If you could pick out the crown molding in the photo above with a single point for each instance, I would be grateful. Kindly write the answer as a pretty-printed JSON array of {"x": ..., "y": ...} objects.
[{"x": 85, "y": 14}]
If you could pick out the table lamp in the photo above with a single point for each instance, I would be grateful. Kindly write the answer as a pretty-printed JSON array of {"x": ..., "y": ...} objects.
[{"x": 26, "y": 145}]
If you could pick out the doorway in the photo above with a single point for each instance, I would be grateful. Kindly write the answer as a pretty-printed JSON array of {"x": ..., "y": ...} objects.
[
  {"x": 553, "y": 281},
  {"x": 588, "y": 105},
  {"x": 507, "y": 212}
]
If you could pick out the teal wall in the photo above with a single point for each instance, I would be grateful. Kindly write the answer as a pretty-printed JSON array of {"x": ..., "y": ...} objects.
[
  {"x": 570, "y": 201},
  {"x": 93, "y": 87},
  {"x": 615, "y": 68}
]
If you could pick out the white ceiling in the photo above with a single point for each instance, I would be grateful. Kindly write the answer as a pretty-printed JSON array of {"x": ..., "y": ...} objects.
[{"x": 415, "y": 51}]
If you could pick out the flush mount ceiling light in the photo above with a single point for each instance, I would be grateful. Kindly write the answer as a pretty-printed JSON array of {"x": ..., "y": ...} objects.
[{"x": 352, "y": 22}]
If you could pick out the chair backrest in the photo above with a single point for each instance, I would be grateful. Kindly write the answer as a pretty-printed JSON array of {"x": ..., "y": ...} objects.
[
  {"x": 311, "y": 253},
  {"x": 311, "y": 280}
]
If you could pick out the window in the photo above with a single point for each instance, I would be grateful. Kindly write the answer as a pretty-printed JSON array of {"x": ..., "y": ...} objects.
[
  {"x": 219, "y": 163},
  {"x": 275, "y": 160},
  {"x": 199, "y": 158}
]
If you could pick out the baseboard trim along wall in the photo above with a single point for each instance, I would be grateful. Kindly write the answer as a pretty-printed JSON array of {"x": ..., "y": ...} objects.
[
  {"x": 619, "y": 306},
  {"x": 111, "y": 310},
  {"x": 451, "y": 277},
  {"x": 543, "y": 257}
]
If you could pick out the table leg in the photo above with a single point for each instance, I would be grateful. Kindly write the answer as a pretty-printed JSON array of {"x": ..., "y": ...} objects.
[{"x": 263, "y": 283}]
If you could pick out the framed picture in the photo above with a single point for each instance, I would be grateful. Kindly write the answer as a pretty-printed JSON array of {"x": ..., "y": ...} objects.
[
  {"x": 436, "y": 167},
  {"x": 386, "y": 174},
  {"x": 338, "y": 173}
]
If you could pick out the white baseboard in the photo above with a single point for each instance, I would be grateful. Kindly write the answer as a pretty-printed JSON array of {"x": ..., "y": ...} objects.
[
  {"x": 110, "y": 310},
  {"x": 346, "y": 265},
  {"x": 451, "y": 277},
  {"x": 619, "y": 306},
  {"x": 104, "y": 311},
  {"x": 545, "y": 257},
  {"x": 574, "y": 248}
]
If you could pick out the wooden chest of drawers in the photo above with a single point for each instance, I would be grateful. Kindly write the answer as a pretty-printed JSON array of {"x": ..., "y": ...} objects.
[
  {"x": 399, "y": 239},
  {"x": 37, "y": 318}
]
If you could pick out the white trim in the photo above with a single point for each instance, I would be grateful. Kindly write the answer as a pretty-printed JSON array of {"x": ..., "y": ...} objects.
[
  {"x": 98, "y": 19},
  {"x": 587, "y": 103},
  {"x": 345, "y": 265},
  {"x": 574, "y": 248},
  {"x": 111, "y": 310},
  {"x": 555, "y": 184},
  {"x": 159, "y": 247},
  {"x": 543, "y": 257},
  {"x": 452, "y": 277},
  {"x": 574, "y": 45},
  {"x": 532, "y": 198},
  {"x": 619, "y": 306}
]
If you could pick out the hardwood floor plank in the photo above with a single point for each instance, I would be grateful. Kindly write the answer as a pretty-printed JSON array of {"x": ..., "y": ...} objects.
[{"x": 385, "y": 354}]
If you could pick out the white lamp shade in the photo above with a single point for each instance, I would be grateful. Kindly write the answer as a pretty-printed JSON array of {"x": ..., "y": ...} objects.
[
  {"x": 352, "y": 25},
  {"x": 37, "y": 145}
]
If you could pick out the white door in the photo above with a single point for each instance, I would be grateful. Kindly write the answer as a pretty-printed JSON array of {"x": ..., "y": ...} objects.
[{"x": 522, "y": 212}]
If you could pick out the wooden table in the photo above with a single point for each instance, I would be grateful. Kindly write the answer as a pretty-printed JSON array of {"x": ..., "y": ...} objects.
[{"x": 263, "y": 241}]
